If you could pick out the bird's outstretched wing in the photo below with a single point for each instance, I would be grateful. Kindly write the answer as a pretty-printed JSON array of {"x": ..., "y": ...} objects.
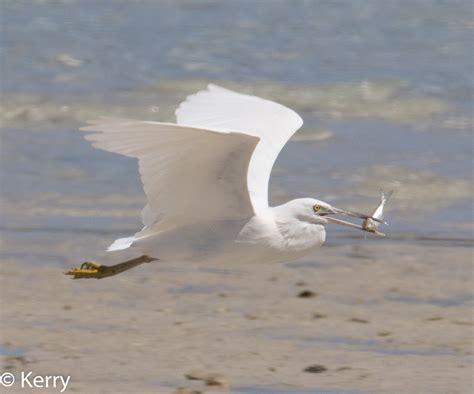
[
  {"x": 189, "y": 174},
  {"x": 222, "y": 109}
]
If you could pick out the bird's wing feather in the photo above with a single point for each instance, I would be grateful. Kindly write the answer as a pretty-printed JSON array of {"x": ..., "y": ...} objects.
[
  {"x": 222, "y": 109},
  {"x": 189, "y": 174}
]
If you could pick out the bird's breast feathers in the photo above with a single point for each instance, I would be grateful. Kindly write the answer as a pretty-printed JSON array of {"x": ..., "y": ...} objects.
[
  {"x": 301, "y": 237},
  {"x": 292, "y": 236}
]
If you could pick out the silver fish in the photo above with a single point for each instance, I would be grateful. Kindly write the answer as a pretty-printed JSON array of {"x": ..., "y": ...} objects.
[{"x": 371, "y": 225}]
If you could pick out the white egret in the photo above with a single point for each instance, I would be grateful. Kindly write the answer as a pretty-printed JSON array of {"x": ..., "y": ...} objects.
[{"x": 206, "y": 182}]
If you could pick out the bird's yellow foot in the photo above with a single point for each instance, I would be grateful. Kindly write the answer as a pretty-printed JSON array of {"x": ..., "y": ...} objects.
[
  {"x": 91, "y": 269},
  {"x": 91, "y": 265},
  {"x": 88, "y": 269}
]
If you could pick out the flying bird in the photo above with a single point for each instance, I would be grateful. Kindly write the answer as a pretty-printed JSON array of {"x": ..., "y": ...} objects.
[{"x": 206, "y": 182}]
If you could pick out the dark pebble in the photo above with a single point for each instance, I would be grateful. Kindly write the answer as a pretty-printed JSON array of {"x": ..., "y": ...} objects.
[
  {"x": 343, "y": 369},
  {"x": 357, "y": 320},
  {"x": 307, "y": 294},
  {"x": 383, "y": 333},
  {"x": 315, "y": 368}
]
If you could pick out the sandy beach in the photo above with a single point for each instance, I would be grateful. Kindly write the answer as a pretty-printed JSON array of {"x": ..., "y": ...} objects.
[{"x": 379, "y": 318}]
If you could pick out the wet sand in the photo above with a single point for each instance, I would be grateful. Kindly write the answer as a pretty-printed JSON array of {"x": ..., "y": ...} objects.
[{"x": 380, "y": 317}]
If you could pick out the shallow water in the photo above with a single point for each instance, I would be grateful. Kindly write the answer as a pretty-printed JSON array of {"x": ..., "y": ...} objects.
[
  {"x": 7, "y": 351},
  {"x": 384, "y": 93}
]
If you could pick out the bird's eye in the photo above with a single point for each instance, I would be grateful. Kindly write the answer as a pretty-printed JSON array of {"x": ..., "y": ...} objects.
[{"x": 316, "y": 208}]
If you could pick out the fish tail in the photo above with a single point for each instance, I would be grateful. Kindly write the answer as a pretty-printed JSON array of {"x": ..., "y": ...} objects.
[{"x": 385, "y": 196}]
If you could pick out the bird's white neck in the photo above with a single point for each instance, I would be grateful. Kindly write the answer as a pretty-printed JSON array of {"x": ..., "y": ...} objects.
[{"x": 300, "y": 235}]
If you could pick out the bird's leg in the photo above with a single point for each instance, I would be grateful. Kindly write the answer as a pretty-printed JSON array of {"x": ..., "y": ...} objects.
[{"x": 91, "y": 269}]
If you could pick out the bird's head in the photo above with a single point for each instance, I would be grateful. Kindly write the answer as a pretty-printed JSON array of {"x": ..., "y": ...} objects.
[{"x": 320, "y": 212}]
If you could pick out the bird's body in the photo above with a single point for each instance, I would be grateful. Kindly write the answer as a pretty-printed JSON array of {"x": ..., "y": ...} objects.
[
  {"x": 266, "y": 237},
  {"x": 206, "y": 180}
]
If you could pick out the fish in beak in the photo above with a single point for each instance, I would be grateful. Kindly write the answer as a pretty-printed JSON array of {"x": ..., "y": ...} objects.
[
  {"x": 375, "y": 219},
  {"x": 369, "y": 224}
]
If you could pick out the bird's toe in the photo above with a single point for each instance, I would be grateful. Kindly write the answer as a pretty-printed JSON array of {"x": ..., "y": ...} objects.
[{"x": 88, "y": 269}]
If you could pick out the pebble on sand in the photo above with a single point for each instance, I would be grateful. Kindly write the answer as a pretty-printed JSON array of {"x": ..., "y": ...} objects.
[
  {"x": 358, "y": 320},
  {"x": 383, "y": 333},
  {"x": 315, "y": 368},
  {"x": 215, "y": 380},
  {"x": 186, "y": 390},
  {"x": 319, "y": 315},
  {"x": 307, "y": 294}
]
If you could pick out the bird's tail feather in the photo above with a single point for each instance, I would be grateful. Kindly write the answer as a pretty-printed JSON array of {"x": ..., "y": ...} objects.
[{"x": 120, "y": 244}]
